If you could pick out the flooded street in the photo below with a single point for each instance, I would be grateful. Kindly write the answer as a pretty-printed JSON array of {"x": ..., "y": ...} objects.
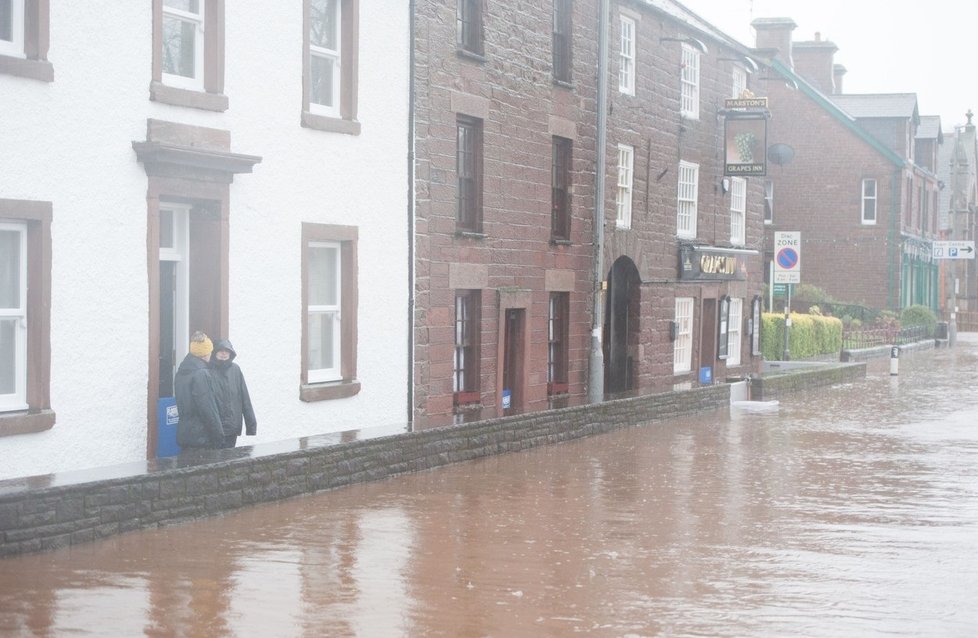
[{"x": 850, "y": 511}]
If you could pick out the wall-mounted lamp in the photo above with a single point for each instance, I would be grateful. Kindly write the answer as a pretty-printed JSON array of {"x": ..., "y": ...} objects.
[
  {"x": 725, "y": 185},
  {"x": 693, "y": 42},
  {"x": 749, "y": 65}
]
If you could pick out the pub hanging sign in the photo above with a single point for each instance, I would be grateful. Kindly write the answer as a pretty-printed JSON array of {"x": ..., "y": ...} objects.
[
  {"x": 745, "y": 136},
  {"x": 709, "y": 263}
]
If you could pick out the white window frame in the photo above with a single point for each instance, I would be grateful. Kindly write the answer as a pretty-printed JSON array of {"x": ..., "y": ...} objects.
[
  {"x": 738, "y": 81},
  {"x": 768, "y": 201},
  {"x": 864, "y": 200},
  {"x": 17, "y": 400},
  {"x": 735, "y": 322},
  {"x": 738, "y": 211},
  {"x": 689, "y": 101},
  {"x": 682, "y": 353},
  {"x": 626, "y": 55},
  {"x": 327, "y": 311},
  {"x": 15, "y": 46},
  {"x": 687, "y": 200},
  {"x": 179, "y": 252},
  {"x": 623, "y": 197},
  {"x": 334, "y": 55},
  {"x": 195, "y": 83}
]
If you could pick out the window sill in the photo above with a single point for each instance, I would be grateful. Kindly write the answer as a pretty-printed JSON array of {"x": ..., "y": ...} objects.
[
  {"x": 468, "y": 400},
  {"x": 561, "y": 242},
  {"x": 159, "y": 92},
  {"x": 330, "y": 124},
  {"x": 470, "y": 234},
  {"x": 328, "y": 391},
  {"x": 33, "y": 69},
  {"x": 471, "y": 55},
  {"x": 565, "y": 84},
  {"x": 25, "y": 422}
]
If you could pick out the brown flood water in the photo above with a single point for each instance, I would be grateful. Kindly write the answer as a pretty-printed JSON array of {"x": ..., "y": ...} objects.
[{"x": 848, "y": 512}]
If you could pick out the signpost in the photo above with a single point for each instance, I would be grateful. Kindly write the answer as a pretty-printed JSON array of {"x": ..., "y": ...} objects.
[
  {"x": 787, "y": 270},
  {"x": 953, "y": 250}
]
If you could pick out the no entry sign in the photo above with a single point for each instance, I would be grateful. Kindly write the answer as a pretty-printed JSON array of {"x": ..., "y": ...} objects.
[{"x": 787, "y": 257}]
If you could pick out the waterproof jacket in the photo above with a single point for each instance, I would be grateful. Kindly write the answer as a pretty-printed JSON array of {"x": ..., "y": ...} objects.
[
  {"x": 233, "y": 401},
  {"x": 200, "y": 423}
]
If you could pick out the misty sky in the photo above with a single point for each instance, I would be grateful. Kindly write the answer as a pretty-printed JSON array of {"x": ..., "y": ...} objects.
[{"x": 887, "y": 46}]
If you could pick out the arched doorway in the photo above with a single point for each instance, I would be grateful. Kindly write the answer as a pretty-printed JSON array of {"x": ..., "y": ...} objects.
[{"x": 621, "y": 325}]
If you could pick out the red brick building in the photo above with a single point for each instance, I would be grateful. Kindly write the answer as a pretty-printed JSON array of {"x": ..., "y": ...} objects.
[
  {"x": 505, "y": 99},
  {"x": 860, "y": 185}
]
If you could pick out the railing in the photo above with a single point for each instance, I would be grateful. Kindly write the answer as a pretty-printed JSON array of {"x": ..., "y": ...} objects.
[{"x": 873, "y": 337}]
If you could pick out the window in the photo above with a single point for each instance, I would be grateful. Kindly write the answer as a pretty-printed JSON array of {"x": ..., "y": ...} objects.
[
  {"x": 25, "y": 320},
  {"x": 682, "y": 354},
  {"x": 738, "y": 82},
  {"x": 689, "y": 103},
  {"x": 329, "y": 76},
  {"x": 768, "y": 201},
  {"x": 469, "y": 168},
  {"x": 924, "y": 212},
  {"x": 465, "y": 376},
  {"x": 468, "y": 23},
  {"x": 738, "y": 210},
  {"x": 626, "y": 56},
  {"x": 329, "y": 328},
  {"x": 689, "y": 175},
  {"x": 560, "y": 189},
  {"x": 188, "y": 54},
  {"x": 723, "y": 326},
  {"x": 558, "y": 325},
  {"x": 734, "y": 330},
  {"x": 623, "y": 200},
  {"x": 24, "y": 27},
  {"x": 562, "y": 40},
  {"x": 869, "y": 201}
]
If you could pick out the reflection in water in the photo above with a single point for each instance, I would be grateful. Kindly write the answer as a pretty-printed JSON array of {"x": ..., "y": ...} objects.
[{"x": 849, "y": 512}]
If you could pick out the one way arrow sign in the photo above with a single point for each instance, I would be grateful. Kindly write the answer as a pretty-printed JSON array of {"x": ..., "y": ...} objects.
[{"x": 953, "y": 250}]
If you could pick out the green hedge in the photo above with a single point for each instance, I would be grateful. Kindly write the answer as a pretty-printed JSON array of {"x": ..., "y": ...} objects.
[{"x": 810, "y": 336}]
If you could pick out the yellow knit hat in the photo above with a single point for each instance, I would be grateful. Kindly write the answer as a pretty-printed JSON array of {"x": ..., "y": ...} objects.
[{"x": 200, "y": 345}]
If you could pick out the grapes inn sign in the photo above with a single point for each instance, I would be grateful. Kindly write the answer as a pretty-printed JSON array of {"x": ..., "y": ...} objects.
[
  {"x": 745, "y": 136},
  {"x": 711, "y": 264}
]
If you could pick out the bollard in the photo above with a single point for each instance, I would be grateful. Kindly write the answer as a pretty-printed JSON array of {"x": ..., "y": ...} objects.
[{"x": 894, "y": 360}]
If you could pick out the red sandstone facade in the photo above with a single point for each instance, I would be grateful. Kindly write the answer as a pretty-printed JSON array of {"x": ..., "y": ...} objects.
[{"x": 504, "y": 291}]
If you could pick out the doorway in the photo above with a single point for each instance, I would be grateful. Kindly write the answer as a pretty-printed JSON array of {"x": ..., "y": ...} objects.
[
  {"x": 621, "y": 325},
  {"x": 513, "y": 349}
]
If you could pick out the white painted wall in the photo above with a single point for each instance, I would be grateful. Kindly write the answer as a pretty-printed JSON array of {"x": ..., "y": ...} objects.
[{"x": 70, "y": 142}]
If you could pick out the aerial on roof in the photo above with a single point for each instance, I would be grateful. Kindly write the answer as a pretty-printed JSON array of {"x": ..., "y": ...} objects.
[{"x": 878, "y": 104}]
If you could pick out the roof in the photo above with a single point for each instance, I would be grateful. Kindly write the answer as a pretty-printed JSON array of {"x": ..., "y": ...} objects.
[
  {"x": 879, "y": 105},
  {"x": 930, "y": 128},
  {"x": 676, "y": 10}
]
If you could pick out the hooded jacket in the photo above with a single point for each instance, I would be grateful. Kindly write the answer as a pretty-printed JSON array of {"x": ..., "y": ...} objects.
[
  {"x": 200, "y": 421},
  {"x": 233, "y": 400}
]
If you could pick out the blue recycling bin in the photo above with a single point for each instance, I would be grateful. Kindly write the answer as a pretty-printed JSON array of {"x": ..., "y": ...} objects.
[
  {"x": 706, "y": 376},
  {"x": 507, "y": 399},
  {"x": 166, "y": 421}
]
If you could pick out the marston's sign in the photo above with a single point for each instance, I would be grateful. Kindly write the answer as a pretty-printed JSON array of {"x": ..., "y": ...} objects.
[{"x": 709, "y": 263}]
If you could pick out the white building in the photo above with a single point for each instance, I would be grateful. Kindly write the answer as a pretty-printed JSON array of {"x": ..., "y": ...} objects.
[{"x": 174, "y": 165}]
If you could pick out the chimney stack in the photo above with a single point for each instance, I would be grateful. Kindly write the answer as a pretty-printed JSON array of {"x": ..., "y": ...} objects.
[
  {"x": 837, "y": 72},
  {"x": 813, "y": 61},
  {"x": 775, "y": 33}
]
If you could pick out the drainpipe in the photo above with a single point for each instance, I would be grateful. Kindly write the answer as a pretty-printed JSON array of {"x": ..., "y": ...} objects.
[
  {"x": 596, "y": 357},
  {"x": 411, "y": 223}
]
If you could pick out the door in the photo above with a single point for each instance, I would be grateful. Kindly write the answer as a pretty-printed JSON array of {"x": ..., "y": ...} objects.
[
  {"x": 621, "y": 322},
  {"x": 174, "y": 292},
  {"x": 513, "y": 349}
]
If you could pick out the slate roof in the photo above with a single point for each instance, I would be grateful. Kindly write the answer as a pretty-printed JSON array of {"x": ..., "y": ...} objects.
[
  {"x": 878, "y": 105},
  {"x": 929, "y": 128},
  {"x": 684, "y": 15}
]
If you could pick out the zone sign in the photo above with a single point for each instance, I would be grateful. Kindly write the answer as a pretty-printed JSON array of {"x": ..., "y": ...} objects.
[{"x": 787, "y": 257}]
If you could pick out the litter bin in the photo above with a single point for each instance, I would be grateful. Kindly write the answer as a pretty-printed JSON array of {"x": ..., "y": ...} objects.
[
  {"x": 940, "y": 332},
  {"x": 166, "y": 420}
]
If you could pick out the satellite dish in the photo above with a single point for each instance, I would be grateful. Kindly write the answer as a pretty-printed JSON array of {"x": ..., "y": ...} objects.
[{"x": 780, "y": 154}]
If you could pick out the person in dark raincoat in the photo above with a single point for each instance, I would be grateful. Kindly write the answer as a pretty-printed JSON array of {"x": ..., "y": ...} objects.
[
  {"x": 233, "y": 401},
  {"x": 199, "y": 424}
]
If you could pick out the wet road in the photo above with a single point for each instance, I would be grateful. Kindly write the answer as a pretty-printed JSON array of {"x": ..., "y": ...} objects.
[{"x": 850, "y": 512}]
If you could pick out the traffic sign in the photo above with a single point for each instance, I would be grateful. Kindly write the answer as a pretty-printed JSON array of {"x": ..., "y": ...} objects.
[
  {"x": 787, "y": 257},
  {"x": 953, "y": 250}
]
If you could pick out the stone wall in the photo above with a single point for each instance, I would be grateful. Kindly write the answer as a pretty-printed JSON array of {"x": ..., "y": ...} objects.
[{"x": 48, "y": 512}]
